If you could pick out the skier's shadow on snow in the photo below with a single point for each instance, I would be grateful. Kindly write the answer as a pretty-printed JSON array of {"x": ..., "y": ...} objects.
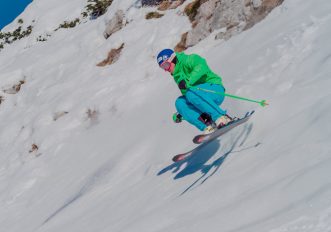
[{"x": 197, "y": 161}]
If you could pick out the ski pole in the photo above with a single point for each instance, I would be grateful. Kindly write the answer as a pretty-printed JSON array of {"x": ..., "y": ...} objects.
[{"x": 262, "y": 103}]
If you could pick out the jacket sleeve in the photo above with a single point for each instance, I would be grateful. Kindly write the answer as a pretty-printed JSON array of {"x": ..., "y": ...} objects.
[{"x": 199, "y": 67}]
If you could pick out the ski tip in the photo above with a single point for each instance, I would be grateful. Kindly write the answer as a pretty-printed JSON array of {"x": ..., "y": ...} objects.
[
  {"x": 179, "y": 157},
  {"x": 198, "y": 139},
  {"x": 248, "y": 114}
]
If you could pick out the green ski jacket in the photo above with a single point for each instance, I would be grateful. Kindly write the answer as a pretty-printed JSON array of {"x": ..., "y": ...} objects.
[{"x": 194, "y": 70}]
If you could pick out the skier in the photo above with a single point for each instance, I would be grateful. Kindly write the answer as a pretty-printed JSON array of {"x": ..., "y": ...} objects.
[{"x": 194, "y": 78}]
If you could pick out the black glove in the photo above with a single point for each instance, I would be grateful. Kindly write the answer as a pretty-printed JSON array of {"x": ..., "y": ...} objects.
[
  {"x": 182, "y": 85},
  {"x": 177, "y": 117}
]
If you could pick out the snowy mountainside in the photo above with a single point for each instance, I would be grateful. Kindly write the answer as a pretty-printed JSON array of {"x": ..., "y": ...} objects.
[{"x": 105, "y": 136}]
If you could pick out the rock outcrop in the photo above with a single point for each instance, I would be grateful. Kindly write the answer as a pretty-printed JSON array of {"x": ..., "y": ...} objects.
[
  {"x": 112, "y": 57},
  {"x": 229, "y": 17},
  {"x": 115, "y": 24}
]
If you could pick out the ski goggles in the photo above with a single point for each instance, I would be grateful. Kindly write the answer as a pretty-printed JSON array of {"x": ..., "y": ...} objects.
[{"x": 165, "y": 65}]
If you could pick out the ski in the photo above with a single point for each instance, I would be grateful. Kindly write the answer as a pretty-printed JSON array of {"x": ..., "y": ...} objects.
[
  {"x": 203, "y": 140},
  {"x": 236, "y": 122}
]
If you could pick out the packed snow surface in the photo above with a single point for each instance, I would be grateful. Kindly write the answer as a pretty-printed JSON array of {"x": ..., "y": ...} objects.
[{"x": 105, "y": 135}]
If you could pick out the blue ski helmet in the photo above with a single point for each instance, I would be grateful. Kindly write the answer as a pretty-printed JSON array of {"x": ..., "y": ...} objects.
[{"x": 164, "y": 55}]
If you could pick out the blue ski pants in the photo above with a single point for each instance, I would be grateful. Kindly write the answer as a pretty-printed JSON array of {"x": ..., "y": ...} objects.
[{"x": 195, "y": 102}]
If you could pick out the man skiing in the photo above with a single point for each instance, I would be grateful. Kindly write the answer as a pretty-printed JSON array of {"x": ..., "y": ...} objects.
[{"x": 199, "y": 104}]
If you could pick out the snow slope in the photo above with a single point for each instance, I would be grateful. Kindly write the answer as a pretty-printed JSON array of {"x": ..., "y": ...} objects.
[{"x": 111, "y": 170}]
